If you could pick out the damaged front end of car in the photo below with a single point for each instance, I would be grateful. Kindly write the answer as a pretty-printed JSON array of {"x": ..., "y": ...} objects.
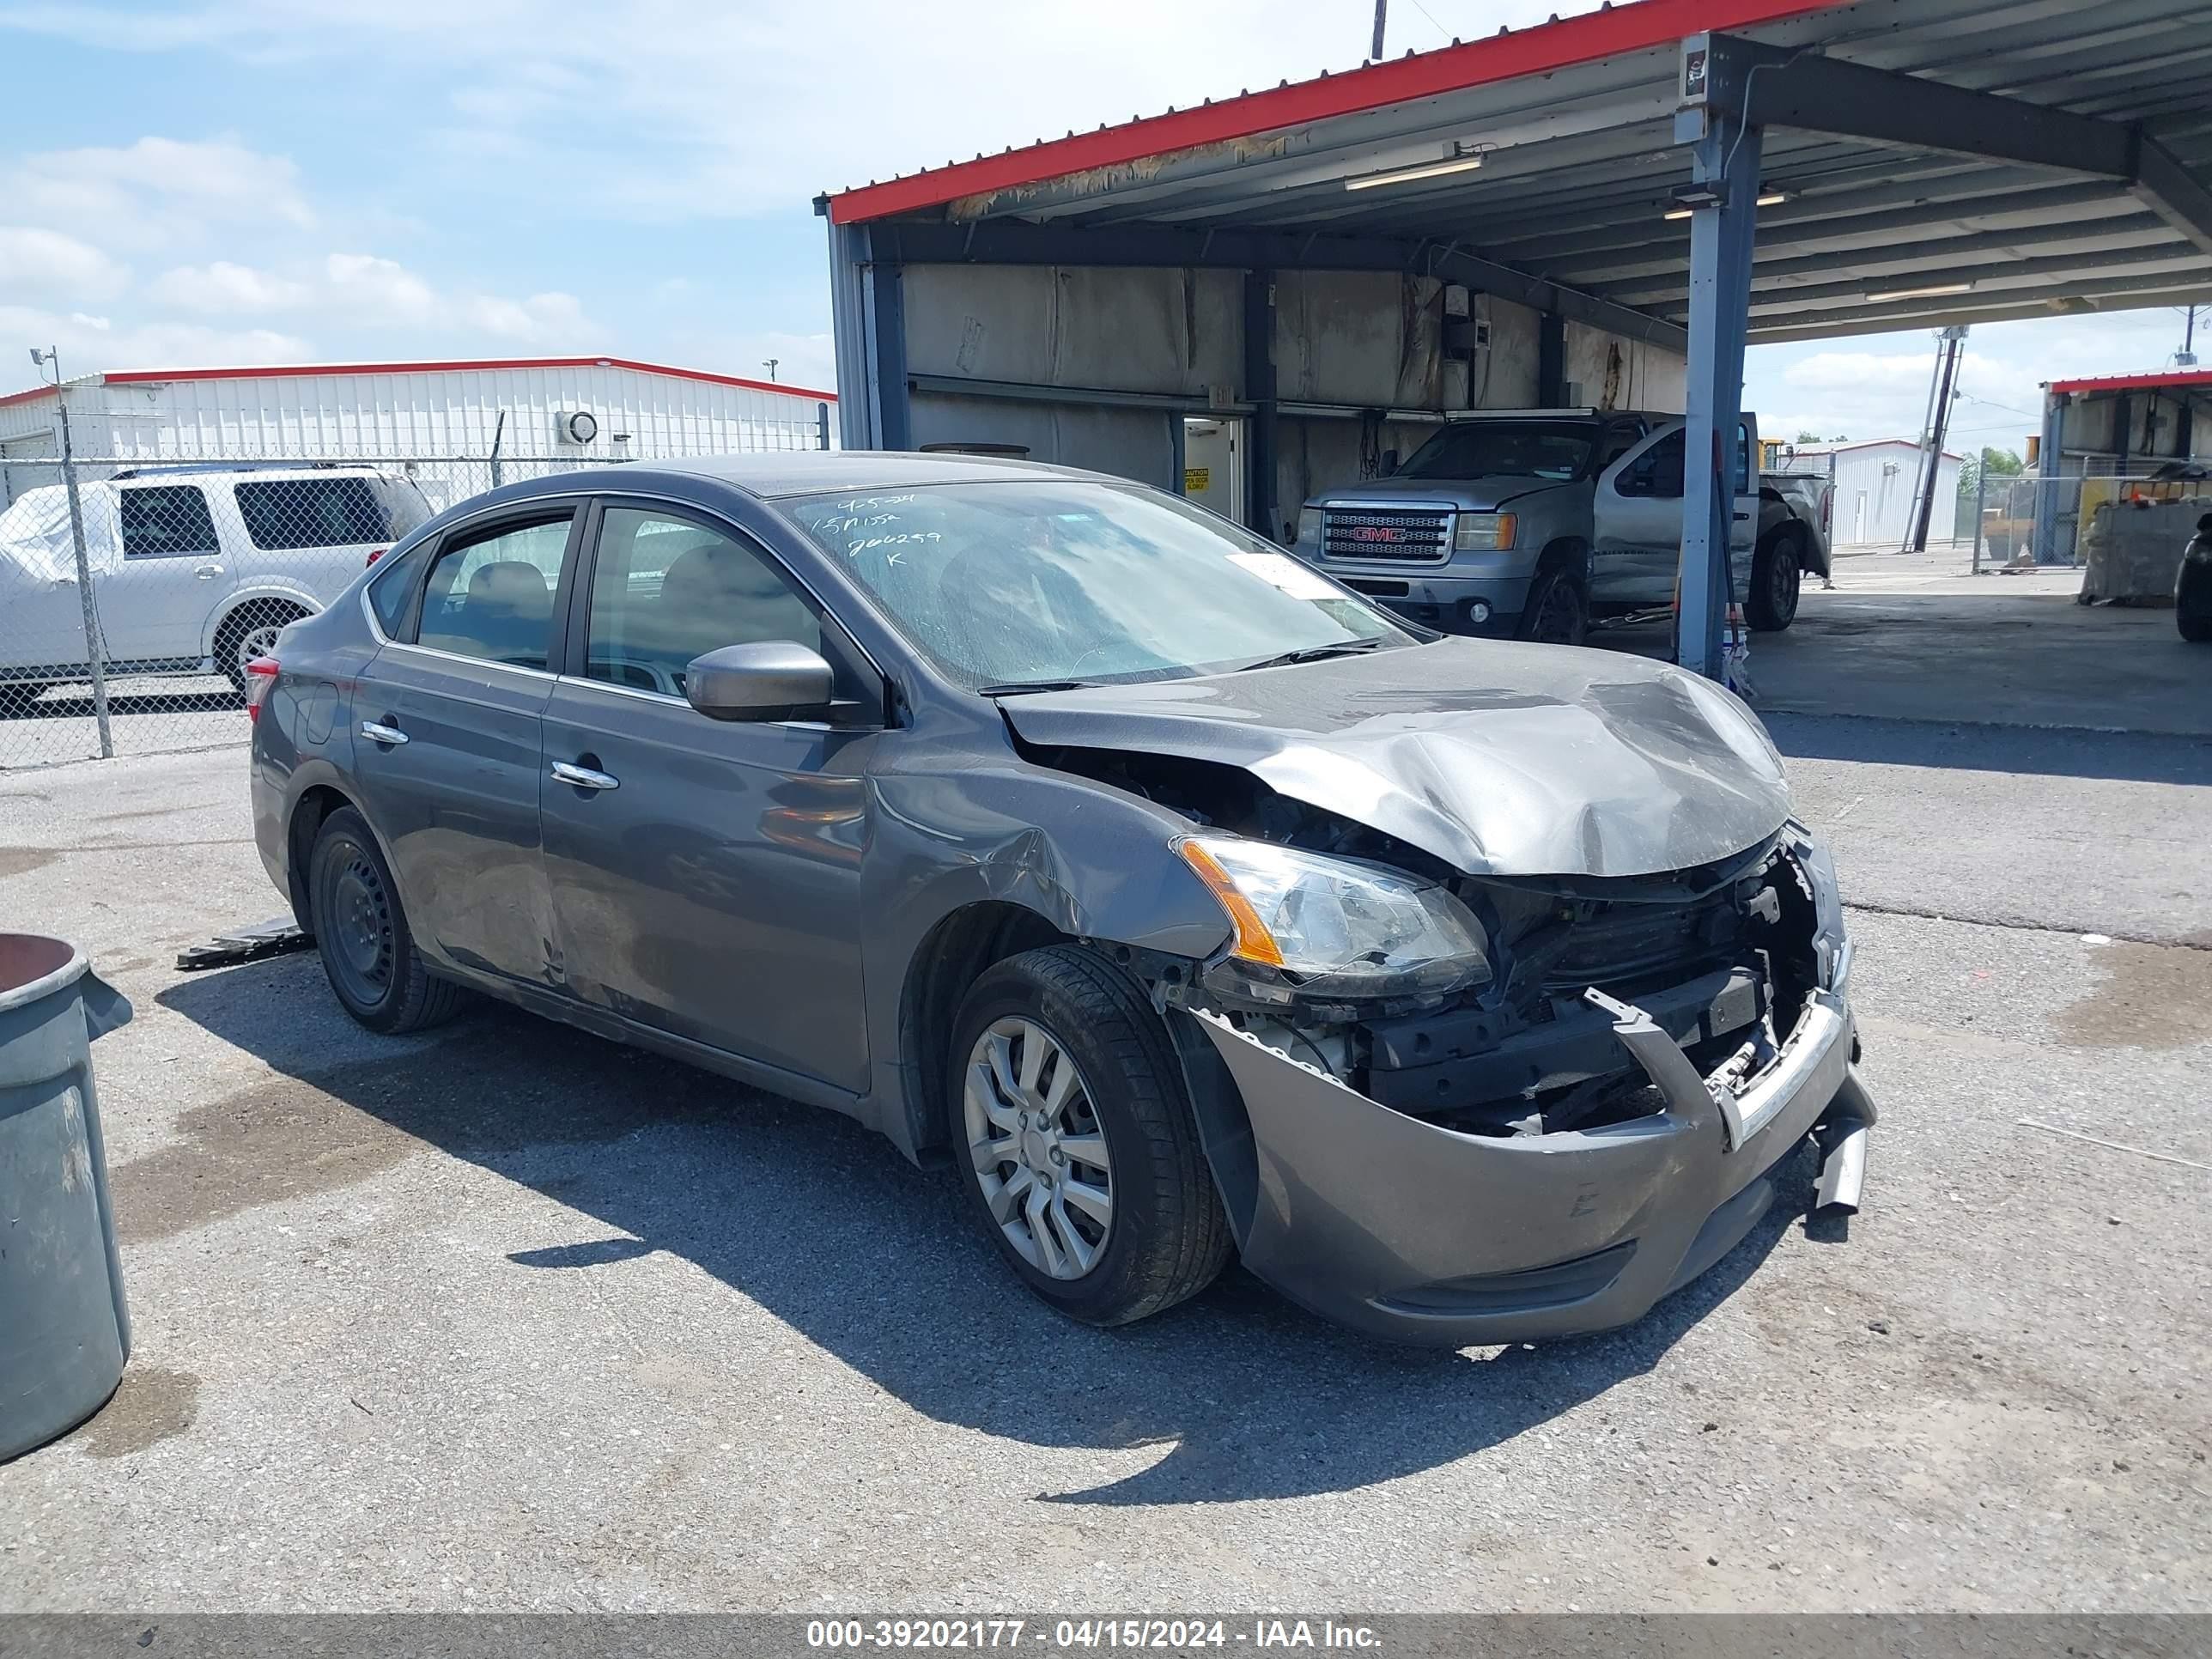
[{"x": 1455, "y": 1109}]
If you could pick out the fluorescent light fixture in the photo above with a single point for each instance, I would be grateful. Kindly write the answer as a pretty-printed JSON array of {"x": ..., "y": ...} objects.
[
  {"x": 1771, "y": 198},
  {"x": 1936, "y": 292},
  {"x": 1459, "y": 162}
]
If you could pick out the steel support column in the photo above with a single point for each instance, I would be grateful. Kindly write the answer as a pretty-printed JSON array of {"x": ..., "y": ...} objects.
[
  {"x": 848, "y": 255},
  {"x": 1725, "y": 174},
  {"x": 1551, "y": 360},
  {"x": 2050, "y": 475},
  {"x": 1260, "y": 506},
  {"x": 890, "y": 421}
]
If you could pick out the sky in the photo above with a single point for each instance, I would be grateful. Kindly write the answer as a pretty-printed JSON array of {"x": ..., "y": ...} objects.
[{"x": 300, "y": 180}]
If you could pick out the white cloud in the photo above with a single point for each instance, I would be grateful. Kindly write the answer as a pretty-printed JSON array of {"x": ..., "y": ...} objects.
[
  {"x": 37, "y": 263},
  {"x": 89, "y": 344},
  {"x": 223, "y": 286},
  {"x": 157, "y": 191}
]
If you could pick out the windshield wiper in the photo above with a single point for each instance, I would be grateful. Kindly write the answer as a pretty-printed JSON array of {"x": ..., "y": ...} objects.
[
  {"x": 1015, "y": 688},
  {"x": 1316, "y": 653}
]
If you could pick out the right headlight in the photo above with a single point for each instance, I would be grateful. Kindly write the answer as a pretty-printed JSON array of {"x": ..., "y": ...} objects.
[
  {"x": 1334, "y": 928},
  {"x": 1484, "y": 532}
]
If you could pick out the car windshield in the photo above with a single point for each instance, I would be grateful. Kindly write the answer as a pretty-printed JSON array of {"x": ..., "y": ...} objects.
[
  {"x": 1513, "y": 449},
  {"x": 1051, "y": 580}
]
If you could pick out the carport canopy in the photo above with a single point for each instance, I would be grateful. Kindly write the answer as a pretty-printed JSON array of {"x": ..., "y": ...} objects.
[{"x": 1696, "y": 175}]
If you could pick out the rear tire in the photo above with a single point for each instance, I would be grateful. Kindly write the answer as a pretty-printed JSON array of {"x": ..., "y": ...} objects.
[
  {"x": 361, "y": 931},
  {"x": 251, "y": 631},
  {"x": 1558, "y": 611},
  {"x": 1778, "y": 576},
  {"x": 1153, "y": 1232}
]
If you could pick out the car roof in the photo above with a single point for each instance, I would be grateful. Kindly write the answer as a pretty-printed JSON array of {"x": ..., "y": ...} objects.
[{"x": 799, "y": 472}]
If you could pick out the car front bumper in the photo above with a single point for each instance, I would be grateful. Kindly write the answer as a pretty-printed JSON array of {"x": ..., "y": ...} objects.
[{"x": 1405, "y": 1229}]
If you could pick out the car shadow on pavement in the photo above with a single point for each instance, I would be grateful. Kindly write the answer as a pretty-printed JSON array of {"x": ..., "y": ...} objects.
[{"x": 823, "y": 1224}]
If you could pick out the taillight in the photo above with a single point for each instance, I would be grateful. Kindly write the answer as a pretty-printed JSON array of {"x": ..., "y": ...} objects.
[
  {"x": 260, "y": 677},
  {"x": 374, "y": 554}
]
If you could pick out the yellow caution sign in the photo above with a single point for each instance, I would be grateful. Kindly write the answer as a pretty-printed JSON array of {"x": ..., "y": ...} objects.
[{"x": 1197, "y": 480}]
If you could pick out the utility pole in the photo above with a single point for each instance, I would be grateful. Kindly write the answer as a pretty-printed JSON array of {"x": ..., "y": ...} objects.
[
  {"x": 1954, "y": 341},
  {"x": 769, "y": 363},
  {"x": 1375, "y": 53},
  {"x": 2186, "y": 357},
  {"x": 50, "y": 358}
]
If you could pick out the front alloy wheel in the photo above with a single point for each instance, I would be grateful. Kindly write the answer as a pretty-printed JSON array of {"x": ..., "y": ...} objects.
[
  {"x": 1071, "y": 1124},
  {"x": 1039, "y": 1151}
]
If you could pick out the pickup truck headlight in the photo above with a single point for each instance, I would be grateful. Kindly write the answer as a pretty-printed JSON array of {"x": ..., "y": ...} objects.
[
  {"x": 1332, "y": 928},
  {"x": 1483, "y": 532}
]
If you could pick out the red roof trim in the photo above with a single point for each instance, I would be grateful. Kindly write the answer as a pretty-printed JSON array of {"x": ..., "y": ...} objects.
[
  {"x": 31, "y": 396},
  {"x": 141, "y": 376},
  {"x": 1638, "y": 27},
  {"x": 2146, "y": 382}
]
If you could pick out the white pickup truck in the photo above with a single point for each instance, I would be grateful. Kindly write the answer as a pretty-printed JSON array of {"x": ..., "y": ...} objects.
[{"x": 1532, "y": 522}]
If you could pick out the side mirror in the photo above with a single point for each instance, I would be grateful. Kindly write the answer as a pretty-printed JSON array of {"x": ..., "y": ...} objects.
[
  {"x": 770, "y": 680},
  {"x": 1389, "y": 464}
]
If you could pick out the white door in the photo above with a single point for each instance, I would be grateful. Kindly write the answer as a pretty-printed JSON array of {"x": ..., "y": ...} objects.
[
  {"x": 1213, "y": 465},
  {"x": 156, "y": 603},
  {"x": 1858, "y": 516}
]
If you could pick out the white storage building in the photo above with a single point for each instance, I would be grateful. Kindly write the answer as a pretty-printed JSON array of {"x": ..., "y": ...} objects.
[
  {"x": 558, "y": 410},
  {"x": 1875, "y": 483}
]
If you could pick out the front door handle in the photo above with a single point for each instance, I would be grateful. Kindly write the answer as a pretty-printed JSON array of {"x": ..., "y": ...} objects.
[
  {"x": 376, "y": 731},
  {"x": 584, "y": 778},
  {"x": 208, "y": 573}
]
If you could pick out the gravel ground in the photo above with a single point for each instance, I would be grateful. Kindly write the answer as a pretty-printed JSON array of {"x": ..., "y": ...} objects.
[{"x": 503, "y": 1316}]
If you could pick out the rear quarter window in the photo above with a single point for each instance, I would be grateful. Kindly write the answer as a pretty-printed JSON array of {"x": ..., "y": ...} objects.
[
  {"x": 164, "y": 520},
  {"x": 391, "y": 590},
  {"x": 280, "y": 514}
]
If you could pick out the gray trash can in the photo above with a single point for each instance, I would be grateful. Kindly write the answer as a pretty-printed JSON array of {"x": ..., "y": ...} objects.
[{"x": 65, "y": 1332}]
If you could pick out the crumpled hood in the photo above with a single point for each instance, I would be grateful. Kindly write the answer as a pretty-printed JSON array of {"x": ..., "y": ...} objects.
[
  {"x": 1478, "y": 495},
  {"x": 1500, "y": 758}
]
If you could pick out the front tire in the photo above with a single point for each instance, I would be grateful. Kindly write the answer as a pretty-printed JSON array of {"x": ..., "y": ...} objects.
[
  {"x": 1777, "y": 577},
  {"x": 361, "y": 931},
  {"x": 2192, "y": 608},
  {"x": 1073, "y": 1131},
  {"x": 1559, "y": 609}
]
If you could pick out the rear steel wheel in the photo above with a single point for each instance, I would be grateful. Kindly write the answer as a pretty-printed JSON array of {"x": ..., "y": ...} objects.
[{"x": 360, "y": 929}]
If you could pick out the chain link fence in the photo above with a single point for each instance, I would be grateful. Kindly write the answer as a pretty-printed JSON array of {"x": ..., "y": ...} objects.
[
  {"x": 133, "y": 592},
  {"x": 2026, "y": 519}
]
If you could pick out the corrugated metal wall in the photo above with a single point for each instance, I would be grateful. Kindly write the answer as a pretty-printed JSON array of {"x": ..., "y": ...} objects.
[
  {"x": 1353, "y": 339},
  {"x": 433, "y": 412}
]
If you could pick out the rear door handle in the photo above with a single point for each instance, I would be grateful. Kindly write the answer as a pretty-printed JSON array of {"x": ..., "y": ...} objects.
[
  {"x": 377, "y": 732},
  {"x": 584, "y": 778},
  {"x": 208, "y": 573}
]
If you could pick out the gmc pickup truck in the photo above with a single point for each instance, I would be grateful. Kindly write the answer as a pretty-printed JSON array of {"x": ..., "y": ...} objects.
[{"x": 1531, "y": 522}]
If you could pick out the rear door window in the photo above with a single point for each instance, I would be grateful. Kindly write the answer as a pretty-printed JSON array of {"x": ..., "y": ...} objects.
[
  {"x": 165, "y": 521},
  {"x": 291, "y": 513},
  {"x": 490, "y": 595}
]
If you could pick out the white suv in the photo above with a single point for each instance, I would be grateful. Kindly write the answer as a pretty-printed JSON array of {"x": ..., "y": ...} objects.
[{"x": 195, "y": 569}]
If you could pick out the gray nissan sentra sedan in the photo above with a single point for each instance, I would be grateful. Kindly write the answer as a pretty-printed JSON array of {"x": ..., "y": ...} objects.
[{"x": 1189, "y": 904}]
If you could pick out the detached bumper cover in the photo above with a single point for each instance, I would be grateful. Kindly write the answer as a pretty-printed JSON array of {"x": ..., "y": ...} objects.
[{"x": 1397, "y": 1227}]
